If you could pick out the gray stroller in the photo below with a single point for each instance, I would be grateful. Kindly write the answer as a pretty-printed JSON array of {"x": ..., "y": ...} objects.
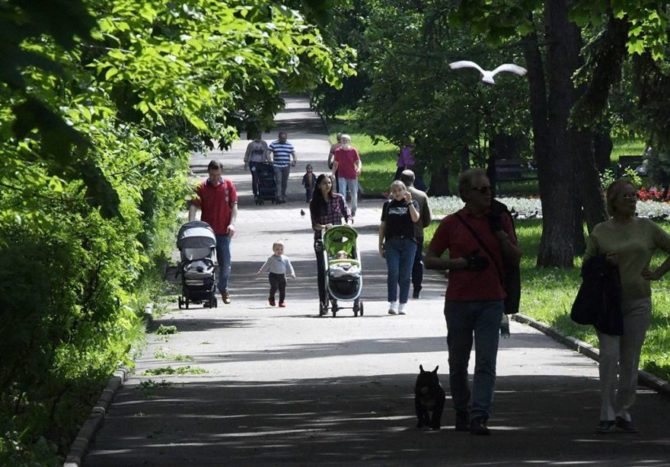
[{"x": 197, "y": 246}]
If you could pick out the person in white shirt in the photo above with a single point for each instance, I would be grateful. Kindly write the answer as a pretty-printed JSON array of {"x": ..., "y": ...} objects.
[{"x": 277, "y": 266}]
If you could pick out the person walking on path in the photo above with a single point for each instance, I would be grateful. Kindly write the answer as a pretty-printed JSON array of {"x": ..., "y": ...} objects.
[
  {"x": 405, "y": 159},
  {"x": 629, "y": 242},
  {"x": 326, "y": 209},
  {"x": 283, "y": 157},
  {"x": 217, "y": 199},
  {"x": 331, "y": 156},
  {"x": 257, "y": 153},
  {"x": 474, "y": 301},
  {"x": 309, "y": 182},
  {"x": 397, "y": 244},
  {"x": 277, "y": 266},
  {"x": 407, "y": 177},
  {"x": 347, "y": 165}
]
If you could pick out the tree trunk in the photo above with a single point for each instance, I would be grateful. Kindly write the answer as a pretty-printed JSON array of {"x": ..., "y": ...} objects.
[
  {"x": 439, "y": 182},
  {"x": 590, "y": 193},
  {"x": 602, "y": 148},
  {"x": 552, "y": 151}
]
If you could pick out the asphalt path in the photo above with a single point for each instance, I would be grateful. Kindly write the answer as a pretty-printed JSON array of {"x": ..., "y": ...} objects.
[{"x": 287, "y": 387}]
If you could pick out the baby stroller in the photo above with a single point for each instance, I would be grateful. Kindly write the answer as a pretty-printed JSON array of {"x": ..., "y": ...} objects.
[
  {"x": 344, "y": 279},
  {"x": 266, "y": 188},
  {"x": 197, "y": 246}
]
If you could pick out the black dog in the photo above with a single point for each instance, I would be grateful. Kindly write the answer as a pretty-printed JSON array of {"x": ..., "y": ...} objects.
[{"x": 428, "y": 397}]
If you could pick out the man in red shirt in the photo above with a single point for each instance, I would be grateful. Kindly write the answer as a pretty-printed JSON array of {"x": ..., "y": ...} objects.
[
  {"x": 347, "y": 166},
  {"x": 217, "y": 199},
  {"x": 478, "y": 242}
]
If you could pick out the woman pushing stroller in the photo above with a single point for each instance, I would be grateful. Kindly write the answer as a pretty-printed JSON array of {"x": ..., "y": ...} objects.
[{"x": 326, "y": 209}]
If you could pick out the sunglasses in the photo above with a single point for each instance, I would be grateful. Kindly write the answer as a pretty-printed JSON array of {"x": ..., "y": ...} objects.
[{"x": 482, "y": 189}]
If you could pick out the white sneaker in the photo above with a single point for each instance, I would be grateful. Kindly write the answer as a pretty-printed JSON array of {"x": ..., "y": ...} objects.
[
  {"x": 401, "y": 309},
  {"x": 393, "y": 308}
]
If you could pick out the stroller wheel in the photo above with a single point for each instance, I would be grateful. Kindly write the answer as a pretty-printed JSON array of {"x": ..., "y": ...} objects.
[
  {"x": 214, "y": 303},
  {"x": 361, "y": 309},
  {"x": 180, "y": 302}
]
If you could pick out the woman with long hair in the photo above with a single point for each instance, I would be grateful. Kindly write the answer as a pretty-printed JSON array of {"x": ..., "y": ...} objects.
[{"x": 326, "y": 209}]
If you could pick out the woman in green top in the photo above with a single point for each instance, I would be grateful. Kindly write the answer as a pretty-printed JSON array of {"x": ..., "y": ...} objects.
[{"x": 629, "y": 242}]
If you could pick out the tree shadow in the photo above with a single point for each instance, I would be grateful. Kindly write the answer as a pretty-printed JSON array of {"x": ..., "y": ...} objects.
[{"x": 367, "y": 420}]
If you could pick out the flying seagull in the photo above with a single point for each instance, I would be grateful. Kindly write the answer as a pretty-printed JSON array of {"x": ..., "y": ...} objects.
[{"x": 487, "y": 76}]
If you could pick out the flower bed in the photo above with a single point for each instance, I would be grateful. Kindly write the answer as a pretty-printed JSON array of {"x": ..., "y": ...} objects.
[{"x": 530, "y": 208}]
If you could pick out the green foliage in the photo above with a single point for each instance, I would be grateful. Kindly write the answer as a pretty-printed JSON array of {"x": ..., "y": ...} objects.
[
  {"x": 98, "y": 120},
  {"x": 547, "y": 295},
  {"x": 166, "y": 330},
  {"x": 415, "y": 95},
  {"x": 609, "y": 176},
  {"x": 180, "y": 370}
]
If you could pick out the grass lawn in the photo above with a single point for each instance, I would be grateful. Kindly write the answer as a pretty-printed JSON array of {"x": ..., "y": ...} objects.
[
  {"x": 624, "y": 147},
  {"x": 547, "y": 296}
]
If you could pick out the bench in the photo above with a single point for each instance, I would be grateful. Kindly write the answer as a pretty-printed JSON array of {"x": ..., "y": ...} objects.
[
  {"x": 629, "y": 161},
  {"x": 513, "y": 170}
]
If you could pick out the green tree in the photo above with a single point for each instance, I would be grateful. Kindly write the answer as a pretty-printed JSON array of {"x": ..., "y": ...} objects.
[
  {"x": 98, "y": 122},
  {"x": 415, "y": 95}
]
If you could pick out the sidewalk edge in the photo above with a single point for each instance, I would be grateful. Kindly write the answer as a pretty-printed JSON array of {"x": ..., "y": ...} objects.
[
  {"x": 645, "y": 378},
  {"x": 95, "y": 419}
]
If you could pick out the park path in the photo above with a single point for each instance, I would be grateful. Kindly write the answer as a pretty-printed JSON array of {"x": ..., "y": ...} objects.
[{"x": 285, "y": 387}]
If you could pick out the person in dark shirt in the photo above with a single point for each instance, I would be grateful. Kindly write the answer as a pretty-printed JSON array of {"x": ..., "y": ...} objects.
[
  {"x": 326, "y": 209},
  {"x": 397, "y": 244}
]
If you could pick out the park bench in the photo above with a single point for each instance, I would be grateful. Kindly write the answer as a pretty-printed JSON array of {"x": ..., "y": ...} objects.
[
  {"x": 514, "y": 170},
  {"x": 629, "y": 161}
]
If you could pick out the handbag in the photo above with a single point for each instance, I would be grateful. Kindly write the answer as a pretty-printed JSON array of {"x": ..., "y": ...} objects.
[{"x": 510, "y": 278}]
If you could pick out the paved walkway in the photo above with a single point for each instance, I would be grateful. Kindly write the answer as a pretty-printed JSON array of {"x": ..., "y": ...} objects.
[{"x": 283, "y": 386}]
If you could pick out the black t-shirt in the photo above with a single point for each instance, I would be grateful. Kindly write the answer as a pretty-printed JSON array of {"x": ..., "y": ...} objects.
[{"x": 398, "y": 220}]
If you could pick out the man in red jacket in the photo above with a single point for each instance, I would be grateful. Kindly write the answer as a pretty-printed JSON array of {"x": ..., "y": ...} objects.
[{"x": 217, "y": 199}]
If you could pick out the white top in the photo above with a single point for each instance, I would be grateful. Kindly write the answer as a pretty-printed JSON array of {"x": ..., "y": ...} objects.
[{"x": 278, "y": 265}]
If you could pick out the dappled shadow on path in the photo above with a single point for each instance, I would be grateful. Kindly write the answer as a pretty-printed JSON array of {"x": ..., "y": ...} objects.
[{"x": 366, "y": 420}]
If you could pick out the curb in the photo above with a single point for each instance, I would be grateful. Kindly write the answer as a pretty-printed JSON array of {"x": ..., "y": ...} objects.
[
  {"x": 645, "y": 378},
  {"x": 95, "y": 419}
]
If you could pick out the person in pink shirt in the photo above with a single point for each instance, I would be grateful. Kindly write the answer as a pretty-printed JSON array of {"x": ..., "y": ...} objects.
[
  {"x": 405, "y": 159},
  {"x": 347, "y": 165}
]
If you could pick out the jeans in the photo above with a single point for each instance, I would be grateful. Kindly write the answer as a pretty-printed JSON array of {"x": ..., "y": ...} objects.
[
  {"x": 399, "y": 253},
  {"x": 352, "y": 184},
  {"x": 277, "y": 282},
  {"x": 223, "y": 256},
  {"x": 417, "y": 267},
  {"x": 309, "y": 192},
  {"x": 463, "y": 320},
  {"x": 281, "y": 180},
  {"x": 320, "y": 270},
  {"x": 621, "y": 355},
  {"x": 254, "y": 177}
]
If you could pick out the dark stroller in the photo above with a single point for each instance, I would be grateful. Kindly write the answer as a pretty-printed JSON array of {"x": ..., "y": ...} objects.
[
  {"x": 197, "y": 246},
  {"x": 344, "y": 278},
  {"x": 266, "y": 187}
]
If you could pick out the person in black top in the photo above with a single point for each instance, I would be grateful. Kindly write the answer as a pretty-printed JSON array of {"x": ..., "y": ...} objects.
[
  {"x": 397, "y": 243},
  {"x": 326, "y": 209}
]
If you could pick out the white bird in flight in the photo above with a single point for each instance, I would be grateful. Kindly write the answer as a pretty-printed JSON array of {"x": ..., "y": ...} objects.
[{"x": 487, "y": 76}]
